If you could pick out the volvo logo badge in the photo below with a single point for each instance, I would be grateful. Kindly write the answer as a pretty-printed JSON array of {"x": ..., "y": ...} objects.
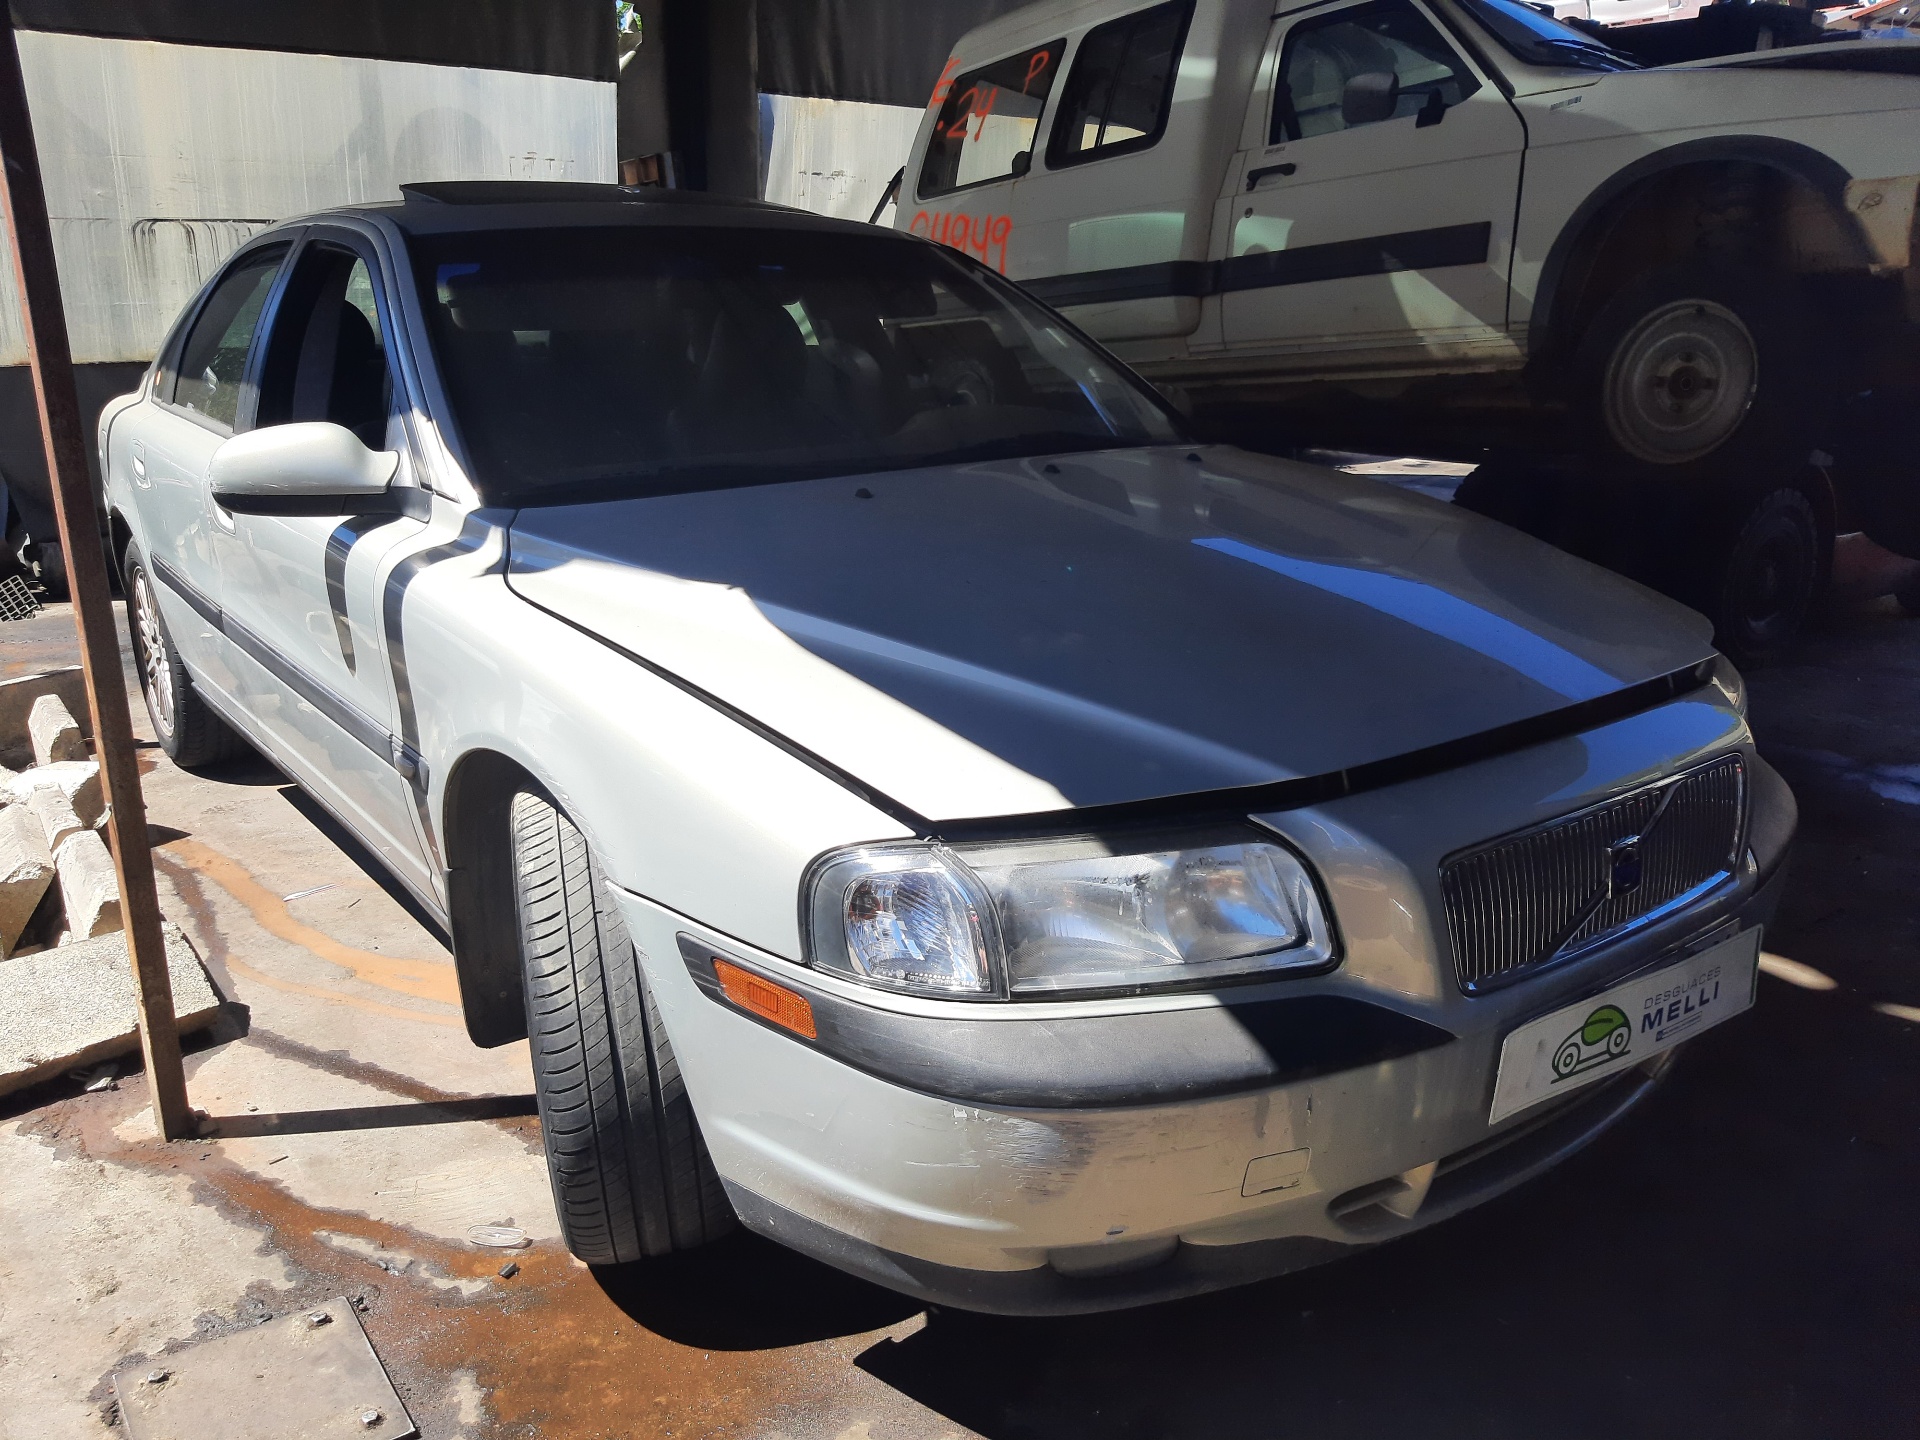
[{"x": 1623, "y": 866}]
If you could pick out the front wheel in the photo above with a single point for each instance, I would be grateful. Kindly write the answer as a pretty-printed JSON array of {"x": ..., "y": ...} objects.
[
  {"x": 630, "y": 1172},
  {"x": 1706, "y": 371}
]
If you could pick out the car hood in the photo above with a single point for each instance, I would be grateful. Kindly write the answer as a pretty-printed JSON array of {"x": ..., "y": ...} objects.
[{"x": 1025, "y": 636}]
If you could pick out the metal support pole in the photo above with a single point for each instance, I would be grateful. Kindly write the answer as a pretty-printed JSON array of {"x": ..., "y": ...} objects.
[{"x": 60, "y": 426}]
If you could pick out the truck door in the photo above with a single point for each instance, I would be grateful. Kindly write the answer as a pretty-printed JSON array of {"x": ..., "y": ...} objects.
[
  {"x": 980, "y": 144},
  {"x": 1105, "y": 226},
  {"x": 1373, "y": 198}
]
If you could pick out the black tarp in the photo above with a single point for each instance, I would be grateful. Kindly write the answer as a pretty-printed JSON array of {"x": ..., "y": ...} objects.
[
  {"x": 535, "y": 37},
  {"x": 886, "y": 51}
]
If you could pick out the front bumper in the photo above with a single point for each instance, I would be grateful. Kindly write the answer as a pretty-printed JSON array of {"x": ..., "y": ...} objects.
[{"x": 1054, "y": 1159}]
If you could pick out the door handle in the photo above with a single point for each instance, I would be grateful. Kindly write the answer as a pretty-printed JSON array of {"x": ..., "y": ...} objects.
[
  {"x": 1254, "y": 177},
  {"x": 139, "y": 461}
]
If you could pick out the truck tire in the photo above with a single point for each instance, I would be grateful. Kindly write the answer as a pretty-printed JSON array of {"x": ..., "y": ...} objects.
[
  {"x": 630, "y": 1172},
  {"x": 183, "y": 723},
  {"x": 1706, "y": 371},
  {"x": 1770, "y": 570}
]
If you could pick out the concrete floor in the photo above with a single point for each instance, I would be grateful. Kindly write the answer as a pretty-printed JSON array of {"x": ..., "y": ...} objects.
[{"x": 1737, "y": 1259}]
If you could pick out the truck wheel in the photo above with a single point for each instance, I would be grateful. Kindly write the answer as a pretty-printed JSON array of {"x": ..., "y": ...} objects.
[
  {"x": 630, "y": 1172},
  {"x": 183, "y": 723},
  {"x": 1699, "y": 370},
  {"x": 1769, "y": 577}
]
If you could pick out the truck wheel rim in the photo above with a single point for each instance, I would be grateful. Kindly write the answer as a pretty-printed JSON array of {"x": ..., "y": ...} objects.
[
  {"x": 1681, "y": 382},
  {"x": 156, "y": 676}
]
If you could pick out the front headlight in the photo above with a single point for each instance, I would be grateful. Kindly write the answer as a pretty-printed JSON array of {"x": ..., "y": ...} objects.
[{"x": 1050, "y": 917}]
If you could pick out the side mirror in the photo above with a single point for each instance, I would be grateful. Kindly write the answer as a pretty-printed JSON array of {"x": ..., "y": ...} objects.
[
  {"x": 1022, "y": 163},
  {"x": 1369, "y": 98},
  {"x": 313, "y": 467}
]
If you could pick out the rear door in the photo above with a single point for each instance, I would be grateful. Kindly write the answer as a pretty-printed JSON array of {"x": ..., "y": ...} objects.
[
  {"x": 303, "y": 593},
  {"x": 1354, "y": 232},
  {"x": 197, "y": 396}
]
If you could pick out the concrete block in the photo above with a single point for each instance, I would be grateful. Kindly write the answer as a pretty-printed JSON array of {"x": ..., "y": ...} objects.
[
  {"x": 16, "y": 700},
  {"x": 64, "y": 1008},
  {"x": 77, "y": 780},
  {"x": 26, "y": 870},
  {"x": 89, "y": 889},
  {"x": 53, "y": 732},
  {"x": 58, "y": 820}
]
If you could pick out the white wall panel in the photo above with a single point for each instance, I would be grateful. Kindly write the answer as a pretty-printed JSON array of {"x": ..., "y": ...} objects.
[
  {"x": 834, "y": 157},
  {"x": 161, "y": 159}
]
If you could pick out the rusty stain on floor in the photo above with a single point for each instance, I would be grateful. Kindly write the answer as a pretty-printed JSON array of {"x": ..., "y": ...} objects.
[{"x": 422, "y": 979}]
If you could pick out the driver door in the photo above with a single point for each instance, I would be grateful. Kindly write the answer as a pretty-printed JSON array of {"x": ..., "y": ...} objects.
[
  {"x": 1353, "y": 231},
  {"x": 303, "y": 593}
]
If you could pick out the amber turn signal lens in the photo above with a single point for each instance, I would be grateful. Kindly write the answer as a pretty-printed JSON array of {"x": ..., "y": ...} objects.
[{"x": 766, "y": 999}]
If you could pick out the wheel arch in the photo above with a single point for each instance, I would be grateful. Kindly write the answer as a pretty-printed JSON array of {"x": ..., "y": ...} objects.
[
  {"x": 119, "y": 537},
  {"x": 1560, "y": 300},
  {"x": 481, "y": 915}
]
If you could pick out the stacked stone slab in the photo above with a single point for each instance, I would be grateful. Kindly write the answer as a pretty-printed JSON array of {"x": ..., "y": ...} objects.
[
  {"x": 53, "y": 732},
  {"x": 26, "y": 870},
  {"x": 75, "y": 1005},
  {"x": 17, "y": 699},
  {"x": 49, "y": 819}
]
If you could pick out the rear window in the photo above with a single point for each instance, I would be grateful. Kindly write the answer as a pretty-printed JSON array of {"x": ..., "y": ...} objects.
[
  {"x": 1116, "y": 98},
  {"x": 987, "y": 122}
]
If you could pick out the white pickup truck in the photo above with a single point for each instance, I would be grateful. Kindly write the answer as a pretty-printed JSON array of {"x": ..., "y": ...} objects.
[{"x": 1445, "y": 225}]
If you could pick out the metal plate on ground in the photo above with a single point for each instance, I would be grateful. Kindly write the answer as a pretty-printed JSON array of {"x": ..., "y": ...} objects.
[{"x": 300, "y": 1377}]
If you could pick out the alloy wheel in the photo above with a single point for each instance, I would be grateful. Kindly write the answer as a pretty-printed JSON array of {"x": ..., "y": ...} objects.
[{"x": 156, "y": 673}]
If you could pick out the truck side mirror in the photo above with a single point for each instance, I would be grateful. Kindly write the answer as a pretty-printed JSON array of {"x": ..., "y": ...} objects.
[
  {"x": 1022, "y": 163},
  {"x": 1371, "y": 97}
]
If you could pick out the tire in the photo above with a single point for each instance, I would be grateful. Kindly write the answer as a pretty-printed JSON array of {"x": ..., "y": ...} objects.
[
  {"x": 1768, "y": 578},
  {"x": 1706, "y": 371},
  {"x": 183, "y": 723},
  {"x": 630, "y": 1171}
]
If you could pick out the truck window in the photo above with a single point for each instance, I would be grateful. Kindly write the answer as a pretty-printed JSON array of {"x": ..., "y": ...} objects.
[
  {"x": 1323, "y": 53},
  {"x": 1117, "y": 96},
  {"x": 986, "y": 124}
]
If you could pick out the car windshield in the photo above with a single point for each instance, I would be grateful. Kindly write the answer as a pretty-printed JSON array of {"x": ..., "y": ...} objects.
[
  {"x": 608, "y": 361},
  {"x": 1538, "y": 39}
]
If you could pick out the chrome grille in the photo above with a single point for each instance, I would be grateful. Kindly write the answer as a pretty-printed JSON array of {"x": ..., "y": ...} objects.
[{"x": 1551, "y": 892}]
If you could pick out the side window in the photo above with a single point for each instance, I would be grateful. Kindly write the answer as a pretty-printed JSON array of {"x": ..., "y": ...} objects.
[
  {"x": 213, "y": 356},
  {"x": 987, "y": 121},
  {"x": 1390, "y": 37},
  {"x": 326, "y": 358},
  {"x": 1118, "y": 93}
]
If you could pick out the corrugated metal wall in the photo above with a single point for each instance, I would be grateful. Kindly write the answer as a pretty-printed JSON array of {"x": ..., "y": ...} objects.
[
  {"x": 834, "y": 157},
  {"x": 160, "y": 159}
]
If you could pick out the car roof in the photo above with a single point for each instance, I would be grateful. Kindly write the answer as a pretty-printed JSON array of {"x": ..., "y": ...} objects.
[{"x": 452, "y": 206}]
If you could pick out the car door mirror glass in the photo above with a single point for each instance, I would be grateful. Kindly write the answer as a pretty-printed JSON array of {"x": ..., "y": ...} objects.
[
  {"x": 1369, "y": 98},
  {"x": 307, "y": 468}
]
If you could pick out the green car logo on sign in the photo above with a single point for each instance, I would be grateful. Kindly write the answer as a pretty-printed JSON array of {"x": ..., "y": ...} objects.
[{"x": 1605, "y": 1036}]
